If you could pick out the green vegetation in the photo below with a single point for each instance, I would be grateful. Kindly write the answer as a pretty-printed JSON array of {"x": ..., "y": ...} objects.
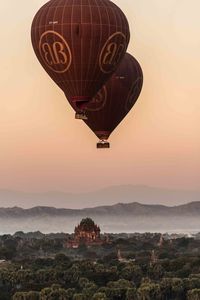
[{"x": 34, "y": 266}]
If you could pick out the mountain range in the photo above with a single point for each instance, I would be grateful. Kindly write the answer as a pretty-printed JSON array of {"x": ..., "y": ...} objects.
[
  {"x": 139, "y": 208},
  {"x": 106, "y": 196},
  {"x": 118, "y": 210},
  {"x": 121, "y": 217}
]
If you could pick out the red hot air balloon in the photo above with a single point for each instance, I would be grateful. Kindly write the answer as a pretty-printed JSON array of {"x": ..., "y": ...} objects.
[
  {"x": 115, "y": 100},
  {"x": 80, "y": 44}
]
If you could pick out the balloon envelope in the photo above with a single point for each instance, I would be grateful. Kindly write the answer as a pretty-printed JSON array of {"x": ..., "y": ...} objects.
[
  {"x": 80, "y": 44},
  {"x": 116, "y": 98}
]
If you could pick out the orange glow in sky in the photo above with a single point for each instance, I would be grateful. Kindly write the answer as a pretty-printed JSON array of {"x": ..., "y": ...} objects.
[{"x": 42, "y": 146}]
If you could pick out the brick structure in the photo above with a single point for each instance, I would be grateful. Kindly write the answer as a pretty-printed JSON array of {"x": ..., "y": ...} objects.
[{"x": 87, "y": 233}]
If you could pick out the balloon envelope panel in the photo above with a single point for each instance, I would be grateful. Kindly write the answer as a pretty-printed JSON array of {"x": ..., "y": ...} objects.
[
  {"x": 116, "y": 98},
  {"x": 80, "y": 44}
]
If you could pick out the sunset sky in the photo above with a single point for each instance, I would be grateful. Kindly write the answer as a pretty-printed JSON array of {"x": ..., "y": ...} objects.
[{"x": 42, "y": 146}]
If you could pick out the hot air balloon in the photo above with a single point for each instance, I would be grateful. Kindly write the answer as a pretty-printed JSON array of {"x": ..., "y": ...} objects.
[
  {"x": 115, "y": 100},
  {"x": 80, "y": 44}
]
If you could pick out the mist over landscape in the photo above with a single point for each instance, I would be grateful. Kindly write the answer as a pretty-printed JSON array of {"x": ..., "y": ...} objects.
[
  {"x": 108, "y": 225},
  {"x": 115, "y": 209}
]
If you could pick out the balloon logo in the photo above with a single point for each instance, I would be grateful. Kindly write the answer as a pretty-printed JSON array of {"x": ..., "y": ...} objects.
[
  {"x": 55, "y": 51},
  {"x": 99, "y": 101},
  {"x": 112, "y": 52},
  {"x": 134, "y": 93},
  {"x": 73, "y": 38}
]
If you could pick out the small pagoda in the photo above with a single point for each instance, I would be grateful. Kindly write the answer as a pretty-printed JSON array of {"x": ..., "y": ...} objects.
[{"x": 86, "y": 233}]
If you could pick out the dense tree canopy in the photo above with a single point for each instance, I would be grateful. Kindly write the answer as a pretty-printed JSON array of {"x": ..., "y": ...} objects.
[{"x": 39, "y": 267}]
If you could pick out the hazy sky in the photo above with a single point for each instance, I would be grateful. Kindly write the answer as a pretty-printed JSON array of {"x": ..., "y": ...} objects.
[{"x": 42, "y": 146}]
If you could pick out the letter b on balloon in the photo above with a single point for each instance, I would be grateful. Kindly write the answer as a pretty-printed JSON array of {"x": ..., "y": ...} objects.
[
  {"x": 112, "y": 52},
  {"x": 55, "y": 51}
]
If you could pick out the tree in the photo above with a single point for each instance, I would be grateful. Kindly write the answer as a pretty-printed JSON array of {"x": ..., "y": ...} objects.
[
  {"x": 26, "y": 296},
  {"x": 132, "y": 273},
  {"x": 193, "y": 294},
  {"x": 33, "y": 296},
  {"x": 19, "y": 296},
  {"x": 156, "y": 272},
  {"x": 54, "y": 293},
  {"x": 104, "y": 290},
  {"x": 79, "y": 297},
  {"x": 192, "y": 283},
  {"x": 131, "y": 294},
  {"x": 99, "y": 296},
  {"x": 118, "y": 289},
  {"x": 83, "y": 282},
  {"x": 173, "y": 288},
  {"x": 61, "y": 260},
  {"x": 177, "y": 288},
  {"x": 70, "y": 293},
  {"x": 44, "y": 294},
  {"x": 89, "y": 290},
  {"x": 122, "y": 283},
  {"x": 149, "y": 291}
]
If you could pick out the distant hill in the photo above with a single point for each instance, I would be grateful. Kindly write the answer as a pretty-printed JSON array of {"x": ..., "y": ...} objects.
[
  {"x": 120, "y": 210},
  {"x": 121, "y": 217},
  {"x": 107, "y": 196}
]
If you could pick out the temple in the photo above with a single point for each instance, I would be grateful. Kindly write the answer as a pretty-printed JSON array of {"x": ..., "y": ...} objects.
[{"x": 86, "y": 233}]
